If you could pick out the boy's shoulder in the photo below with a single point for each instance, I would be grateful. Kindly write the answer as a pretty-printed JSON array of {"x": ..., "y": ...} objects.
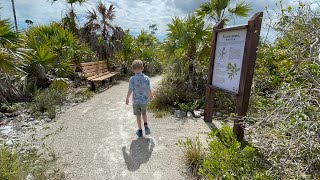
[
  {"x": 137, "y": 76},
  {"x": 146, "y": 76}
]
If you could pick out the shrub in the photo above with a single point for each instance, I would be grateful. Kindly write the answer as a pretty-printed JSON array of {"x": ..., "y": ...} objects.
[
  {"x": 224, "y": 102},
  {"x": 289, "y": 128},
  {"x": 229, "y": 159},
  {"x": 17, "y": 166},
  {"x": 10, "y": 108},
  {"x": 47, "y": 101},
  {"x": 29, "y": 165},
  {"x": 159, "y": 113},
  {"x": 173, "y": 92},
  {"x": 85, "y": 93},
  {"x": 193, "y": 153}
]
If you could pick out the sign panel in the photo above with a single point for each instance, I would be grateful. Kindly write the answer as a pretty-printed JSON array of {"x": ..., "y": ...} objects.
[{"x": 228, "y": 59}]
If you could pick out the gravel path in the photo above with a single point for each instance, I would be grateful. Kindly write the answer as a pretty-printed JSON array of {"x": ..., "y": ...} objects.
[{"x": 98, "y": 140}]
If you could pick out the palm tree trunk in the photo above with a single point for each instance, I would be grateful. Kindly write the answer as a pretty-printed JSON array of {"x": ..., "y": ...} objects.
[
  {"x": 14, "y": 14},
  {"x": 191, "y": 57}
]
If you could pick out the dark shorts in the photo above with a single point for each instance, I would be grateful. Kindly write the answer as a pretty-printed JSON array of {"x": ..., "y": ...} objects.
[{"x": 139, "y": 109}]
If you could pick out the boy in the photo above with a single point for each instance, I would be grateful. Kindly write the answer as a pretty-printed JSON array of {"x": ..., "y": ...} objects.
[{"x": 139, "y": 86}]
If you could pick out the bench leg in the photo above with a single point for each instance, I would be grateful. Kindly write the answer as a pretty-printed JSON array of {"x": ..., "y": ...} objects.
[
  {"x": 93, "y": 86},
  {"x": 111, "y": 79},
  {"x": 103, "y": 82}
]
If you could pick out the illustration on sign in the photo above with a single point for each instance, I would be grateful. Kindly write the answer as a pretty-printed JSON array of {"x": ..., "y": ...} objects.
[{"x": 228, "y": 61}]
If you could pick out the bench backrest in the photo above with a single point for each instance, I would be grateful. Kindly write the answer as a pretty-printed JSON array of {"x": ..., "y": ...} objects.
[{"x": 94, "y": 69}]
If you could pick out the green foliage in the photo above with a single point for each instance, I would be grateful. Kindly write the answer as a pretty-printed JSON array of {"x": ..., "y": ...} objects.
[
  {"x": 9, "y": 88},
  {"x": 144, "y": 47},
  {"x": 69, "y": 21},
  {"x": 126, "y": 55},
  {"x": 7, "y": 34},
  {"x": 47, "y": 101},
  {"x": 173, "y": 96},
  {"x": 50, "y": 50},
  {"x": 224, "y": 102},
  {"x": 60, "y": 85},
  {"x": 193, "y": 154},
  {"x": 14, "y": 165},
  {"x": 158, "y": 113},
  {"x": 51, "y": 45},
  {"x": 190, "y": 106},
  {"x": 10, "y": 108},
  {"x": 185, "y": 37},
  {"x": 218, "y": 10},
  {"x": 186, "y": 51},
  {"x": 229, "y": 159},
  {"x": 284, "y": 108},
  {"x": 100, "y": 27},
  {"x": 85, "y": 93}
]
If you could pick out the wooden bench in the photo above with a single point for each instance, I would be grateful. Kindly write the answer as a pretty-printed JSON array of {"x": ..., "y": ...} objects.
[{"x": 96, "y": 72}]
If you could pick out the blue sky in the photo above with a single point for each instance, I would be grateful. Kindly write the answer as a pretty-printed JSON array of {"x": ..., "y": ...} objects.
[{"x": 130, "y": 14}]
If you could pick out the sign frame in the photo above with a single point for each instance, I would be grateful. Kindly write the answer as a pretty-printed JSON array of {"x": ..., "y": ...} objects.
[{"x": 247, "y": 71}]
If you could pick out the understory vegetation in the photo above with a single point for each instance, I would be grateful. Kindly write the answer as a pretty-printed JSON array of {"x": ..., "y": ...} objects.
[
  {"x": 282, "y": 125},
  {"x": 15, "y": 165},
  {"x": 225, "y": 158},
  {"x": 40, "y": 72}
]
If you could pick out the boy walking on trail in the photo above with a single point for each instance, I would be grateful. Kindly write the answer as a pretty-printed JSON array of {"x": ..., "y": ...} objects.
[{"x": 139, "y": 86}]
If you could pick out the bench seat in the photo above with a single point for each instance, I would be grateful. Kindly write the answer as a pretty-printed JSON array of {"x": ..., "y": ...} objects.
[
  {"x": 104, "y": 77},
  {"x": 96, "y": 72}
]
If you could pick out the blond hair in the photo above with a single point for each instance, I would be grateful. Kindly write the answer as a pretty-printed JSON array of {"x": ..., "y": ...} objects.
[{"x": 137, "y": 64}]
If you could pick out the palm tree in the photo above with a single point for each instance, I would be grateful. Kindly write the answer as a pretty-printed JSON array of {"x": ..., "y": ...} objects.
[
  {"x": 101, "y": 21},
  {"x": 218, "y": 10},
  {"x": 50, "y": 49},
  {"x": 185, "y": 37},
  {"x": 9, "y": 89},
  {"x": 69, "y": 21}
]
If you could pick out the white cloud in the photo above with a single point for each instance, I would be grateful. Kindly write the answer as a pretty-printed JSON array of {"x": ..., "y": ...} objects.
[{"x": 130, "y": 14}]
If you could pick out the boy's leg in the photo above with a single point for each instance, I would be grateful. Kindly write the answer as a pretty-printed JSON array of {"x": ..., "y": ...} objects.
[
  {"x": 137, "y": 112},
  {"x": 139, "y": 121},
  {"x": 144, "y": 117},
  {"x": 145, "y": 120},
  {"x": 139, "y": 131},
  {"x": 144, "y": 113}
]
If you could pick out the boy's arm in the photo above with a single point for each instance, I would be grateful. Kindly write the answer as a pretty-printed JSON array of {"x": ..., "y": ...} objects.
[
  {"x": 128, "y": 96},
  {"x": 151, "y": 95},
  {"x": 129, "y": 90}
]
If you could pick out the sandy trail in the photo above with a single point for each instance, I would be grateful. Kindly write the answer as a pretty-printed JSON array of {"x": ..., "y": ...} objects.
[{"x": 98, "y": 140}]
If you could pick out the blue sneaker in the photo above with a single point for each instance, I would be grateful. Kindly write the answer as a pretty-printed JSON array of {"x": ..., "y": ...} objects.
[
  {"x": 139, "y": 133},
  {"x": 147, "y": 130}
]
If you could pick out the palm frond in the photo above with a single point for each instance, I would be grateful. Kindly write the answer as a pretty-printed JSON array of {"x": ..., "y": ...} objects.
[
  {"x": 218, "y": 9},
  {"x": 60, "y": 84},
  {"x": 91, "y": 15},
  {"x": 111, "y": 15},
  {"x": 80, "y": 2},
  {"x": 6, "y": 65},
  {"x": 7, "y": 34},
  {"x": 241, "y": 9},
  {"x": 102, "y": 9}
]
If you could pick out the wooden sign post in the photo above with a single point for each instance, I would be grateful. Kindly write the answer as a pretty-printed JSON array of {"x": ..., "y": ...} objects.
[{"x": 231, "y": 68}]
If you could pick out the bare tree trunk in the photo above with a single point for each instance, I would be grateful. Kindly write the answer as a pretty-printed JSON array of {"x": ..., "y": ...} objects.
[
  {"x": 14, "y": 14},
  {"x": 191, "y": 57}
]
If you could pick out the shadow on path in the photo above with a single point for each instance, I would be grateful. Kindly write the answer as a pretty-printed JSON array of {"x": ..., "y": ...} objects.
[{"x": 140, "y": 152}]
